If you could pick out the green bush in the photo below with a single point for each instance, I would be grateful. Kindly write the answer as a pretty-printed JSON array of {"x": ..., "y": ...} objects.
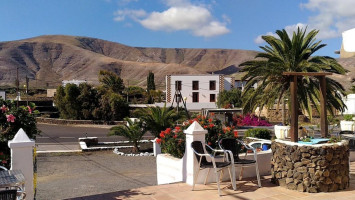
[
  {"x": 348, "y": 117},
  {"x": 261, "y": 133}
]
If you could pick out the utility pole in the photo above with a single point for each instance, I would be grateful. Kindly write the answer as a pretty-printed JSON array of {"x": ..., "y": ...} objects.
[
  {"x": 27, "y": 81},
  {"x": 17, "y": 87},
  {"x": 127, "y": 90}
]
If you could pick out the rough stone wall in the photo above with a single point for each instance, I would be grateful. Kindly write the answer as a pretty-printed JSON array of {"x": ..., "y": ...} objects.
[{"x": 310, "y": 169}]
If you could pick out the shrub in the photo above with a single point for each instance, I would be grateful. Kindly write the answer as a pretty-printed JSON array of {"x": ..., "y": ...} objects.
[
  {"x": 261, "y": 133},
  {"x": 12, "y": 118},
  {"x": 348, "y": 117},
  {"x": 249, "y": 120}
]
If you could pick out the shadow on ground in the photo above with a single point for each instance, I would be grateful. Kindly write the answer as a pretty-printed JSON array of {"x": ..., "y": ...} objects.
[{"x": 112, "y": 195}]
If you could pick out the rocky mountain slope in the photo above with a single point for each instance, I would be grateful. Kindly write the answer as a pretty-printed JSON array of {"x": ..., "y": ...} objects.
[{"x": 47, "y": 60}]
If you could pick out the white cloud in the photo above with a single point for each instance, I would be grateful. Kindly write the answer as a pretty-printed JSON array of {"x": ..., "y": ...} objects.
[
  {"x": 260, "y": 40},
  {"x": 181, "y": 15},
  {"x": 331, "y": 18},
  {"x": 121, "y": 15}
]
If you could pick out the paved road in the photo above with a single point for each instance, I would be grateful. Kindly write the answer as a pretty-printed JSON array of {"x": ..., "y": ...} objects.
[
  {"x": 65, "y": 138},
  {"x": 81, "y": 175}
]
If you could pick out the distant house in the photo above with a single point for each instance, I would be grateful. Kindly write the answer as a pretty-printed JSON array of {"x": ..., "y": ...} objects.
[
  {"x": 3, "y": 94},
  {"x": 76, "y": 82},
  {"x": 51, "y": 92},
  {"x": 239, "y": 83},
  {"x": 199, "y": 91}
]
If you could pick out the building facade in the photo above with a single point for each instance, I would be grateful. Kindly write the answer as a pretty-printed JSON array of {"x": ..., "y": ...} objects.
[
  {"x": 76, "y": 82},
  {"x": 199, "y": 91}
]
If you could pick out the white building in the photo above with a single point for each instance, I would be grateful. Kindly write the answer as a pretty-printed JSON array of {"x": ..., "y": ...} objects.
[
  {"x": 3, "y": 95},
  {"x": 199, "y": 91},
  {"x": 76, "y": 82},
  {"x": 348, "y": 44}
]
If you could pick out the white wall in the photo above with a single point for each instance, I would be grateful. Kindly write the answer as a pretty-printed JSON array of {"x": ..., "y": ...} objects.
[
  {"x": 350, "y": 104},
  {"x": 76, "y": 82}
]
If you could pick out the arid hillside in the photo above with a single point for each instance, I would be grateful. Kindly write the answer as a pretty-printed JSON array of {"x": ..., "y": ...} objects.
[{"x": 47, "y": 60}]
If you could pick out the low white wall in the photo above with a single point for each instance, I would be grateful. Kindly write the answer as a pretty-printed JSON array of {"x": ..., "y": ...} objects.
[
  {"x": 171, "y": 170},
  {"x": 349, "y": 101}
]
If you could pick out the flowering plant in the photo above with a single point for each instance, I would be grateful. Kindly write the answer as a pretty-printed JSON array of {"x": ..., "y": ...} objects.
[
  {"x": 172, "y": 141},
  {"x": 249, "y": 120},
  {"x": 12, "y": 118}
]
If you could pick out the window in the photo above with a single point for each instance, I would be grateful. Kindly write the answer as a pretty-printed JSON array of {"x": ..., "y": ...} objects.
[
  {"x": 178, "y": 85},
  {"x": 212, "y": 97},
  {"x": 212, "y": 85},
  {"x": 195, "y": 97},
  {"x": 195, "y": 85}
]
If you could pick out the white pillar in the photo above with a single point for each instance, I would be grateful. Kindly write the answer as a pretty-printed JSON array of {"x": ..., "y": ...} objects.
[
  {"x": 156, "y": 148},
  {"x": 22, "y": 159},
  {"x": 194, "y": 133}
]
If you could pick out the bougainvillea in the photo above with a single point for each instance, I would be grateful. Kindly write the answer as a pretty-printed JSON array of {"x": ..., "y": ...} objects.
[
  {"x": 12, "y": 118},
  {"x": 249, "y": 120}
]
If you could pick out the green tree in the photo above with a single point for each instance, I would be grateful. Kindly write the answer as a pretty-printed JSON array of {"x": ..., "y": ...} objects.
[
  {"x": 150, "y": 81},
  {"x": 231, "y": 97},
  {"x": 133, "y": 131},
  {"x": 88, "y": 100},
  {"x": 157, "y": 119},
  {"x": 111, "y": 81},
  {"x": 112, "y": 106},
  {"x": 285, "y": 54}
]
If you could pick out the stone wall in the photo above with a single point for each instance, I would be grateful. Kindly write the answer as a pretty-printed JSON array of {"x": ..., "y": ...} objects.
[{"x": 310, "y": 168}]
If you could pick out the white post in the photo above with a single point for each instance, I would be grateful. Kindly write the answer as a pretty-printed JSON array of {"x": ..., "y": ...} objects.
[
  {"x": 22, "y": 159},
  {"x": 194, "y": 133},
  {"x": 156, "y": 148}
]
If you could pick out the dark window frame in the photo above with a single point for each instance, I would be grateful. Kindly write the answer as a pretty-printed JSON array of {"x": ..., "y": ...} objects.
[
  {"x": 212, "y": 85},
  {"x": 178, "y": 85},
  {"x": 195, "y": 99},
  {"x": 195, "y": 85},
  {"x": 213, "y": 99}
]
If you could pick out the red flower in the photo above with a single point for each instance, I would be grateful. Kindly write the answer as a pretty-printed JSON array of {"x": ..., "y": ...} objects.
[
  {"x": 212, "y": 114},
  {"x": 158, "y": 140},
  {"x": 177, "y": 128},
  {"x": 162, "y": 134},
  {"x": 175, "y": 136},
  {"x": 235, "y": 133},
  {"x": 204, "y": 127},
  {"x": 10, "y": 118},
  {"x": 168, "y": 131},
  {"x": 4, "y": 161},
  {"x": 209, "y": 143},
  {"x": 210, "y": 120},
  {"x": 4, "y": 108},
  {"x": 211, "y": 125},
  {"x": 29, "y": 109}
]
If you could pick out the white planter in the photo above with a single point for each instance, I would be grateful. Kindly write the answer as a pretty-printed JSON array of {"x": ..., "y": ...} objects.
[
  {"x": 169, "y": 169},
  {"x": 282, "y": 132},
  {"x": 347, "y": 125}
]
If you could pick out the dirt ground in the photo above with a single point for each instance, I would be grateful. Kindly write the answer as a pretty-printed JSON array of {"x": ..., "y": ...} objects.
[{"x": 80, "y": 175}]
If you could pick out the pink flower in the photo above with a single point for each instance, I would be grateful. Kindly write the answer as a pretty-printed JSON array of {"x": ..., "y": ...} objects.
[
  {"x": 10, "y": 118},
  {"x": 4, "y": 108},
  {"x": 29, "y": 109}
]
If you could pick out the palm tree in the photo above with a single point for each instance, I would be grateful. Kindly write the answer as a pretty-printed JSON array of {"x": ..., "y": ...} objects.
[
  {"x": 133, "y": 131},
  {"x": 156, "y": 119},
  {"x": 111, "y": 81},
  {"x": 285, "y": 54}
]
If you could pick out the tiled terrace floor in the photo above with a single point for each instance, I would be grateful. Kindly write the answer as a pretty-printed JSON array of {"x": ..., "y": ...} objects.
[{"x": 246, "y": 190}]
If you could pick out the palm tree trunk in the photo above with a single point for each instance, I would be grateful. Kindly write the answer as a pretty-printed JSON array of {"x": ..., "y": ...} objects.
[{"x": 283, "y": 111}]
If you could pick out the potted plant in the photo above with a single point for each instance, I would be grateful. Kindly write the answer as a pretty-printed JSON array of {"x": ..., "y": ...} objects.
[{"x": 347, "y": 124}]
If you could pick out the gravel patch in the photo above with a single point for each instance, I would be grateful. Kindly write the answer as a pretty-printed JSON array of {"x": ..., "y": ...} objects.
[{"x": 65, "y": 176}]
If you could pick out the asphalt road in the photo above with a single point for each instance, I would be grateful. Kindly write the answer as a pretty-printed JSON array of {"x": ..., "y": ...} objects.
[
  {"x": 92, "y": 175},
  {"x": 65, "y": 138}
]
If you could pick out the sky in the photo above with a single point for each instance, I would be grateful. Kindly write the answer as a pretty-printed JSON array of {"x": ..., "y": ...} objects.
[{"x": 221, "y": 24}]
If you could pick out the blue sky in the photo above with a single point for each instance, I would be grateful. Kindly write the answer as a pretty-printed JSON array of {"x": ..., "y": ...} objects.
[{"x": 229, "y": 24}]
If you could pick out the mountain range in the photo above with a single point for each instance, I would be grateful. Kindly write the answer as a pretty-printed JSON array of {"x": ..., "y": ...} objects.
[{"x": 49, "y": 59}]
